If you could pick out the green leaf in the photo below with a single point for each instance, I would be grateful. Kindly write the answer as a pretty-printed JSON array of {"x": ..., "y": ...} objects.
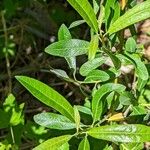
[
  {"x": 54, "y": 121},
  {"x": 54, "y": 143},
  {"x": 64, "y": 147},
  {"x": 84, "y": 110},
  {"x": 86, "y": 11},
  {"x": 122, "y": 133},
  {"x": 90, "y": 65},
  {"x": 60, "y": 73},
  {"x": 116, "y": 12},
  {"x": 132, "y": 146},
  {"x": 84, "y": 144},
  {"x": 93, "y": 47},
  {"x": 35, "y": 132},
  {"x": 69, "y": 48},
  {"x": 96, "y": 76},
  {"x": 109, "y": 7},
  {"x": 4, "y": 121},
  {"x": 14, "y": 111},
  {"x": 116, "y": 61},
  {"x": 77, "y": 118},
  {"x": 140, "y": 67},
  {"x": 71, "y": 62},
  {"x": 101, "y": 17},
  {"x": 97, "y": 101},
  {"x": 95, "y": 6},
  {"x": 17, "y": 115},
  {"x": 64, "y": 33},
  {"x": 138, "y": 13},
  {"x": 47, "y": 95},
  {"x": 141, "y": 84},
  {"x": 138, "y": 110},
  {"x": 76, "y": 23},
  {"x": 127, "y": 98},
  {"x": 130, "y": 45}
]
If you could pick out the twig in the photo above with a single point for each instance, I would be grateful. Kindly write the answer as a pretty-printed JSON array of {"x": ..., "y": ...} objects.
[{"x": 6, "y": 53}]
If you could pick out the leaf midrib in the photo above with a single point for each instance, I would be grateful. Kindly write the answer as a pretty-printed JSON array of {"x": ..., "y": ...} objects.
[{"x": 65, "y": 109}]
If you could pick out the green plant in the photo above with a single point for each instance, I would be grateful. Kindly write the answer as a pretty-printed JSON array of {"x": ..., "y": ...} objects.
[
  {"x": 113, "y": 110},
  {"x": 12, "y": 118}
]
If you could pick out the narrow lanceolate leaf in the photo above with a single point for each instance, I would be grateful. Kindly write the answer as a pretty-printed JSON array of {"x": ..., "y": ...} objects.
[
  {"x": 138, "y": 13},
  {"x": 77, "y": 118},
  {"x": 140, "y": 67},
  {"x": 54, "y": 143},
  {"x": 84, "y": 144},
  {"x": 90, "y": 65},
  {"x": 101, "y": 17},
  {"x": 133, "y": 133},
  {"x": 54, "y": 121},
  {"x": 95, "y": 6},
  {"x": 47, "y": 95},
  {"x": 69, "y": 48},
  {"x": 86, "y": 11},
  {"x": 93, "y": 47},
  {"x": 115, "y": 60},
  {"x": 97, "y": 101}
]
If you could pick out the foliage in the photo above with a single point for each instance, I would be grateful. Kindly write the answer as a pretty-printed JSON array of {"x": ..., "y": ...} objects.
[{"x": 114, "y": 114}]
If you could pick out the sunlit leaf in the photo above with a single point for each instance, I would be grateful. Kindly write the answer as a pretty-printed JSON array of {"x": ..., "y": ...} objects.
[
  {"x": 97, "y": 101},
  {"x": 77, "y": 118},
  {"x": 93, "y": 47},
  {"x": 76, "y": 23},
  {"x": 86, "y": 11},
  {"x": 138, "y": 13},
  {"x": 54, "y": 143},
  {"x": 47, "y": 95},
  {"x": 122, "y": 133},
  {"x": 64, "y": 34},
  {"x": 84, "y": 144}
]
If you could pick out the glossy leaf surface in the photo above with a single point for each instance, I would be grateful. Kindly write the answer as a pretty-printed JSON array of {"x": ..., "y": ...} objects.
[
  {"x": 54, "y": 143},
  {"x": 93, "y": 47},
  {"x": 122, "y": 133},
  {"x": 86, "y": 11},
  {"x": 84, "y": 144},
  {"x": 47, "y": 95},
  {"x": 132, "y": 16}
]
